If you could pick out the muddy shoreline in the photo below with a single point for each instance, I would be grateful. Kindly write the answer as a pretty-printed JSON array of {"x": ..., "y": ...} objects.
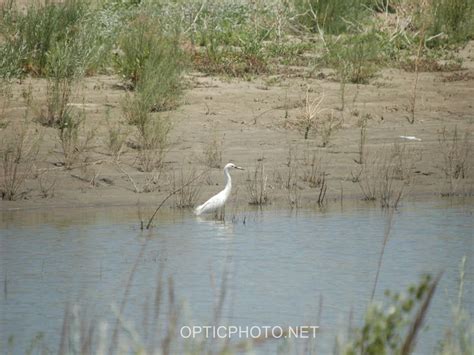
[{"x": 252, "y": 123}]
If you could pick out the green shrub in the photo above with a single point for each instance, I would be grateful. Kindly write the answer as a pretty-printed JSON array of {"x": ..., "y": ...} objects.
[
  {"x": 65, "y": 64},
  {"x": 144, "y": 43},
  {"x": 356, "y": 58},
  {"x": 10, "y": 61},
  {"x": 31, "y": 35},
  {"x": 290, "y": 53},
  {"x": 330, "y": 16},
  {"x": 454, "y": 18},
  {"x": 393, "y": 329},
  {"x": 246, "y": 59},
  {"x": 231, "y": 40},
  {"x": 157, "y": 89}
]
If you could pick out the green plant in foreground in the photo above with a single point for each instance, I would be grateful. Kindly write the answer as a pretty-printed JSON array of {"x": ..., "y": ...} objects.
[
  {"x": 393, "y": 329},
  {"x": 459, "y": 338},
  {"x": 73, "y": 137}
]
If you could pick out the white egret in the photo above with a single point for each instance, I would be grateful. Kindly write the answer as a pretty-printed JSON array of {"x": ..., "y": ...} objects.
[{"x": 219, "y": 200}]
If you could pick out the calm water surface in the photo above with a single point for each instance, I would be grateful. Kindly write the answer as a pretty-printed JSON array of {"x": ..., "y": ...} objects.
[{"x": 281, "y": 266}]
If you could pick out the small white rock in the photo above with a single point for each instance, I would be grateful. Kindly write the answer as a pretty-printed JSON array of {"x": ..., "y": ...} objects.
[{"x": 410, "y": 138}]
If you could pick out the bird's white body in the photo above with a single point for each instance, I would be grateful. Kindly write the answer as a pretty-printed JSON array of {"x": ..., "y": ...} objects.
[{"x": 219, "y": 200}]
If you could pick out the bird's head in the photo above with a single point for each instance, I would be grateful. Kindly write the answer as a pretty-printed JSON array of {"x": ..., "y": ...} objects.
[{"x": 233, "y": 166}]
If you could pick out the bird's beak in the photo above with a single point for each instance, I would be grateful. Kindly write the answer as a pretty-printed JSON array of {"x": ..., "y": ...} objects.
[{"x": 238, "y": 167}]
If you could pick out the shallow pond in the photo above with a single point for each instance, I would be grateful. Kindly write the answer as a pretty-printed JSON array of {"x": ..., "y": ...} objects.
[{"x": 282, "y": 267}]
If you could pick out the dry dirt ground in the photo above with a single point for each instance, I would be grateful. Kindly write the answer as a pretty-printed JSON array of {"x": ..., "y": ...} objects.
[{"x": 252, "y": 122}]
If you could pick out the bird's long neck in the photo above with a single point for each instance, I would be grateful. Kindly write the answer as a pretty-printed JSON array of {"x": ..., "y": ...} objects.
[{"x": 228, "y": 181}]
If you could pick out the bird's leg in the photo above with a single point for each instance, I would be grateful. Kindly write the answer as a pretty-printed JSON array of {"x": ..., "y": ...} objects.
[
  {"x": 220, "y": 214},
  {"x": 223, "y": 213}
]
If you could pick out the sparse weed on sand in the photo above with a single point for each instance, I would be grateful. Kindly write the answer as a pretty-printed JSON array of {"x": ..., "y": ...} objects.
[
  {"x": 362, "y": 123},
  {"x": 315, "y": 175},
  {"x": 19, "y": 145},
  {"x": 384, "y": 176},
  {"x": 257, "y": 185},
  {"x": 74, "y": 137},
  {"x": 456, "y": 150},
  {"x": 117, "y": 135},
  {"x": 153, "y": 142},
  {"x": 311, "y": 113},
  {"x": 46, "y": 183},
  {"x": 312, "y": 168},
  {"x": 213, "y": 149},
  {"x": 313, "y": 118},
  {"x": 187, "y": 196}
]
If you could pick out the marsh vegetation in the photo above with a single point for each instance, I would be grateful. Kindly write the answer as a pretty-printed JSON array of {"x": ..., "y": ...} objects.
[
  {"x": 152, "y": 50},
  {"x": 105, "y": 102}
]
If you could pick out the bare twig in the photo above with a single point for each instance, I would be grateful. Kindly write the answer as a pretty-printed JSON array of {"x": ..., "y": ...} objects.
[
  {"x": 171, "y": 194},
  {"x": 415, "y": 327},
  {"x": 137, "y": 190},
  {"x": 388, "y": 227},
  {"x": 195, "y": 18}
]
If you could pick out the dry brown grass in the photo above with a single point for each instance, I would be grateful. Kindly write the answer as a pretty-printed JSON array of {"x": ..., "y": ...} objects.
[
  {"x": 311, "y": 113},
  {"x": 189, "y": 194},
  {"x": 75, "y": 138},
  {"x": 385, "y": 175},
  {"x": 257, "y": 185},
  {"x": 19, "y": 146},
  {"x": 455, "y": 149},
  {"x": 117, "y": 135},
  {"x": 213, "y": 149}
]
